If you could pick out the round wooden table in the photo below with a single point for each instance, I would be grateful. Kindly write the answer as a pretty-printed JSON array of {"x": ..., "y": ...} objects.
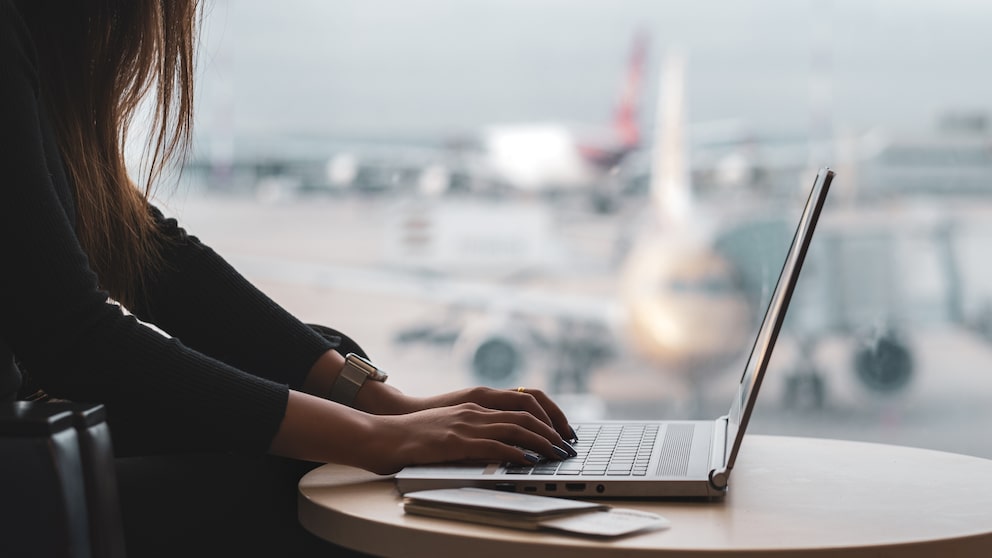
[{"x": 788, "y": 496}]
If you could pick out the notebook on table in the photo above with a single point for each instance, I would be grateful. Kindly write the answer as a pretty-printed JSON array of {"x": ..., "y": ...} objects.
[{"x": 650, "y": 458}]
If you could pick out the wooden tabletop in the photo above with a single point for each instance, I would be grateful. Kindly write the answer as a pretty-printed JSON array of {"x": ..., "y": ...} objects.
[{"x": 787, "y": 495}]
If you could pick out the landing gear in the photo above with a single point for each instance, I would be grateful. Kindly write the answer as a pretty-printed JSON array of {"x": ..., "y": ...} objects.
[
  {"x": 579, "y": 349},
  {"x": 805, "y": 388}
]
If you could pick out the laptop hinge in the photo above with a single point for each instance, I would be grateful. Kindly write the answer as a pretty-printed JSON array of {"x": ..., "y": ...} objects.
[{"x": 718, "y": 456}]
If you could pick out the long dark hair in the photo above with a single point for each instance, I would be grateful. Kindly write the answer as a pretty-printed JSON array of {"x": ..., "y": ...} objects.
[{"x": 99, "y": 60}]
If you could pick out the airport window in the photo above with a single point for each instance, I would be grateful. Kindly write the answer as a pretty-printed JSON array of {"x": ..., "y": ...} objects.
[{"x": 595, "y": 198}]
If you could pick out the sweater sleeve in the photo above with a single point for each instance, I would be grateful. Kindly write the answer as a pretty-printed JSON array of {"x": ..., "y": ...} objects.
[
  {"x": 199, "y": 298},
  {"x": 161, "y": 394}
]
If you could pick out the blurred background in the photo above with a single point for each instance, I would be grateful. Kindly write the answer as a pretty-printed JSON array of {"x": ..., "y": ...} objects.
[{"x": 596, "y": 198}]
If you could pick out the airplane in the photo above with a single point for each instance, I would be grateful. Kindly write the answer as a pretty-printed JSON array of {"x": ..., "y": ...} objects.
[
  {"x": 683, "y": 298},
  {"x": 555, "y": 157},
  {"x": 514, "y": 158},
  {"x": 596, "y": 162}
]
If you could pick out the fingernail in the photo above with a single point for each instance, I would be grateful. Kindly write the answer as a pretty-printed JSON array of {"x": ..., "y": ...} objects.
[
  {"x": 570, "y": 450},
  {"x": 575, "y": 437},
  {"x": 532, "y": 457},
  {"x": 562, "y": 453}
]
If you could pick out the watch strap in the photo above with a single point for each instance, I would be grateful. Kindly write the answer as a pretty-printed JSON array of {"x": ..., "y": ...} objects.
[{"x": 353, "y": 375}]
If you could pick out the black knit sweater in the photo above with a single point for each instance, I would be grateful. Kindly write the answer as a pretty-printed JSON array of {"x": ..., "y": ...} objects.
[{"x": 218, "y": 382}]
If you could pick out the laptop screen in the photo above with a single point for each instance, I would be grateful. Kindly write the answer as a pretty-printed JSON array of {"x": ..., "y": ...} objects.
[{"x": 757, "y": 362}]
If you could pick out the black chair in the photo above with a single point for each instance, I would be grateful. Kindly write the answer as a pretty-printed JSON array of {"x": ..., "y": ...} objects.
[{"x": 58, "y": 485}]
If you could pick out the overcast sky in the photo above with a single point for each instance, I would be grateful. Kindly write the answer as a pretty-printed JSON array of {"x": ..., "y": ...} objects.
[{"x": 422, "y": 68}]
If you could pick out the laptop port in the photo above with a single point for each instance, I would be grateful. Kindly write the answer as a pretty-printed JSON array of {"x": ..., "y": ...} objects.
[
  {"x": 575, "y": 486},
  {"x": 530, "y": 489},
  {"x": 550, "y": 487},
  {"x": 506, "y": 486}
]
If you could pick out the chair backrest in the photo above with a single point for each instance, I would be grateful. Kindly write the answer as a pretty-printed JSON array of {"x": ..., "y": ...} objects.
[
  {"x": 58, "y": 481},
  {"x": 41, "y": 474}
]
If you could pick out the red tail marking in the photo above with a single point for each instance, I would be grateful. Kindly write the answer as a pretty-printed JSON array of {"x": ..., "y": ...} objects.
[{"x": 625, "y": 119}]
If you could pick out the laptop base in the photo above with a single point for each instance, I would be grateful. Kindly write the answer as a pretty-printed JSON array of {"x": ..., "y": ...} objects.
[{"x": 680, "y": 466}]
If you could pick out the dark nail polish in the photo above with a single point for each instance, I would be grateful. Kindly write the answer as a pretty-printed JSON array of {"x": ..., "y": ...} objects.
[
  {"x": 575, "y": 437},
  {"x": 562, "y": 453},
  {"x": 571, "y": 450},
  {"x": 533, "y": 458}
]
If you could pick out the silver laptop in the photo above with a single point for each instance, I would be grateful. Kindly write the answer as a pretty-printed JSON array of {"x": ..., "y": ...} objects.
[{"x": 649, "y": 459}]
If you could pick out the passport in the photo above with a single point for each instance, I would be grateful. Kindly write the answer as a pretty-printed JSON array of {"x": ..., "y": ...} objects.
[{"x": 530, "y": 512}]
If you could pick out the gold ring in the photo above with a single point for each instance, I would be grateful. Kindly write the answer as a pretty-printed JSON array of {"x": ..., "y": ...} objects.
[{"x": 521, "y": 389}]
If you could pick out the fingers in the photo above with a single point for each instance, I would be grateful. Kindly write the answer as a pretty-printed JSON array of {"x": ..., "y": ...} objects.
[
  {"x": 515, "y": 427},
  {"x": 556, "y": 417},
  {"x": 538, "y": 404},
  {"x": 534, "y": 401},
  {"x": 521, "y": 429},
  {"x": 471, "y": 432},
  {"x": 526, "y": 401}
]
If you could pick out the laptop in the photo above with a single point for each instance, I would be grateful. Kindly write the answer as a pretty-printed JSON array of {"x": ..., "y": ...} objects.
[{"x": 651, "y": 458}]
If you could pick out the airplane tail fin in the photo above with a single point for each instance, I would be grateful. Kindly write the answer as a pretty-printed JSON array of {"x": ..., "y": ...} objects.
[
  {"x": 625, "y": 119},
  {"x": 671, "y": 189}
]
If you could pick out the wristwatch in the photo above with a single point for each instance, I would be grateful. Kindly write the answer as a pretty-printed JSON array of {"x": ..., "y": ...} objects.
[{"x": 353, "y": 376}]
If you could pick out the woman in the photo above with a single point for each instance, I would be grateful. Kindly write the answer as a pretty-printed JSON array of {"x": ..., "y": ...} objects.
[{"x": 235, "y": 373}]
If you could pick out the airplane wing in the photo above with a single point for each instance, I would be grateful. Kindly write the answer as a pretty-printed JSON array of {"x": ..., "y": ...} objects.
[{"x": 445, "y": 290}]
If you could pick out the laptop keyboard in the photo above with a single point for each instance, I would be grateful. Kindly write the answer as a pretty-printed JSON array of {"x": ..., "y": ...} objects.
[{"x": 608, "y": 449}]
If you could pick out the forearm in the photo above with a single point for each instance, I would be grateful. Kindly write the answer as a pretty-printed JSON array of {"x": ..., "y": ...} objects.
[{"x": 315, "y": 429}]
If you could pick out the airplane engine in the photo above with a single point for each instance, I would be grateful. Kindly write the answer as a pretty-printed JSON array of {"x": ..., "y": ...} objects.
[
  {"x": 884, "y": 363},
  {"x": 493, "y": 351}
]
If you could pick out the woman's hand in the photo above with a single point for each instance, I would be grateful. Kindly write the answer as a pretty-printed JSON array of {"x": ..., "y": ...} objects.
[
  {"x": 534, "y": 401},
  {"x": 315, "y": 429},
  {"x": 464, "y": 432},
  {"x": 386, "y": 400},
  {"x": 383, "y": 399}
]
